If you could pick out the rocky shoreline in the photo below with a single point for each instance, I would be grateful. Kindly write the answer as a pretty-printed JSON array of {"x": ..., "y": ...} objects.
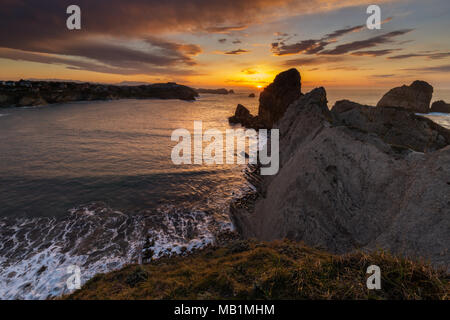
[
  {"x": 34, "y": 93},
  {"x": 351, "y": 178},
  {"x": 356, "y": 183}
]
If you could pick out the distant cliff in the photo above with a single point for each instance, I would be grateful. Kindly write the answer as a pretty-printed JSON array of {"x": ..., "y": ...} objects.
[{"x": 32, "y": 93}]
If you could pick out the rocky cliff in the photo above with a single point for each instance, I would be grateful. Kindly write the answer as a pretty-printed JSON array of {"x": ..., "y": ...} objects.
[
  {"x": 415, "y": 97},
  {"x": 355, "y": 177},
  {"x": 32, "y": 93}
]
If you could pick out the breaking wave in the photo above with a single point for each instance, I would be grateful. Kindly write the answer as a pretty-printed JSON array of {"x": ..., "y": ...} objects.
[{"x": 35, "y": 253}]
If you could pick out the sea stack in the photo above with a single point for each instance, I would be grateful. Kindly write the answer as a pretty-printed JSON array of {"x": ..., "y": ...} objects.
[
  {"x": 415, "y": 97},
  {"x": 243, "y": 116},
  {"x": 440, "y": 106},
  {"x": 275, "y": 99}
]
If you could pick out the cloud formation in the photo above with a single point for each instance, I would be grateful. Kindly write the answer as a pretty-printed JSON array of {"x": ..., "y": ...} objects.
[
  {"x": 118, "y": 36},
  {"x": 238, "y": 51},
  {"x": 436, "y": 69},
  {"x": 364, "y": 44},
  {"x": 373, "y": 53},
  {"x": 431, "y": 56},
  {"x": 314, "y": 46}
]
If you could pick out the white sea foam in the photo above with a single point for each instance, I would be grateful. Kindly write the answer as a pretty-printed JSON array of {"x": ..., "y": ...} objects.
[{"x": 35, "y": 252}]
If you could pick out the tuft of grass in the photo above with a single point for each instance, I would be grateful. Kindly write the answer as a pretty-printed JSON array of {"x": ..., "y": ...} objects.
[{"x": 245, "y": 269}]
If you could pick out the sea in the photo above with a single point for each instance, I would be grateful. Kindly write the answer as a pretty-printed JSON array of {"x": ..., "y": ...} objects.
[{"x": 90, "y": 184}]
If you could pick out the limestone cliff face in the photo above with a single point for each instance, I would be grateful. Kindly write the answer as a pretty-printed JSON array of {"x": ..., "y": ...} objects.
[{"x": 355, "y": 177}]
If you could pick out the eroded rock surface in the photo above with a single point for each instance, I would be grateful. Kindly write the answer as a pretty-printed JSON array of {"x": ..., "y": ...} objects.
[
  {"x": 415, "y": 97},
  {"x": 275, "y": 99},
  {"x": 356, "y": 177}
]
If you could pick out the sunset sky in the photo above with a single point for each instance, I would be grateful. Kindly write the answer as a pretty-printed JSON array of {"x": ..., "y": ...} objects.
[{"x": 233, "y": 43}]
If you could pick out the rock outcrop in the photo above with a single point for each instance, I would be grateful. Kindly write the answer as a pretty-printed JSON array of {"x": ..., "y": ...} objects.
[
  {"x": 394, "y": 126},
  {"x": 440, "y": 106},
  {"x": 243, "y": 116},
  {"x": 416, "y": 97},
  {"x": 355, "y": 177},
  {"x": 251, "y": 95},
  {"x": 275, "y": 99},
  {"x": 33, "y": 93}
]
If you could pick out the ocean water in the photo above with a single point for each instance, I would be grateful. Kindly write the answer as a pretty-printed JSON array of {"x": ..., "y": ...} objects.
[
  {"x": 87, "y": 183},
  {"x": 92, "y": 183}
]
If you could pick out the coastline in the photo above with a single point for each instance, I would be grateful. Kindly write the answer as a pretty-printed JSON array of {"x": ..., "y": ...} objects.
[
  {"x": 36, "y": 93},
  {"x": 326, "y": 155}
]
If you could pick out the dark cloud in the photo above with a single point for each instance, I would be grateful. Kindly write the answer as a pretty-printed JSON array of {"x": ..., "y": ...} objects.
[
  {"x": 374, "y": 53},
  {"x": 432, "y": 56},
  {"x": 305, "y": 46},
  {"x": 129, "y": 68},
  {"x": 382, "y": 75},
  {"x": 310, "y": 46},
  {"x": 222, "y": 40},
  {"x": 110, "y": 29},
  {"x": 437, "y": 69},
  {"x": 341, "y": 32},
  {"x": 368, "y": 43},
  {"x": 237, "y": 41},
  {"x": 238, "y": 51}
]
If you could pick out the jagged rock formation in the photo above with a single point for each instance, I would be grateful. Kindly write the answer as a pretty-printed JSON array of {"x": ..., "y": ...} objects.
[
  {"x": 394, "y": 126},
  {"x": 243, "y": 116},
  {"x": 416, "y": 97},
  {"x": 275, "y": 98},
  {"x": 355, "y": 177},
  {"x": 32, "y": 93},
  {"x": 440, "y": 106}
]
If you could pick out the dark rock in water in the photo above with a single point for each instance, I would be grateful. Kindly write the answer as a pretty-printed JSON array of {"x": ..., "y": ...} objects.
[
  {"x": 243, "y": 116},
  {"x": 440, "y": 106},
  {"x": 348, "y": 184},
  {"x": 231, "y": 91},
  {"x": 251, "y": 95},
  {"x": 275, "y": 99},
  {"x": 416, "y": 97},
  {"x": 394, "y": 126}
]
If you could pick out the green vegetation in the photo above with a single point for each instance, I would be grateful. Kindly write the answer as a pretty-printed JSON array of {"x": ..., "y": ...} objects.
[{"x": 275, "y": 270}]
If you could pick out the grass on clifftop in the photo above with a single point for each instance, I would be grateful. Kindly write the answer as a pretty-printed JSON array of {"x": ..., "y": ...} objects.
[{"x": 276, "y": 270}]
